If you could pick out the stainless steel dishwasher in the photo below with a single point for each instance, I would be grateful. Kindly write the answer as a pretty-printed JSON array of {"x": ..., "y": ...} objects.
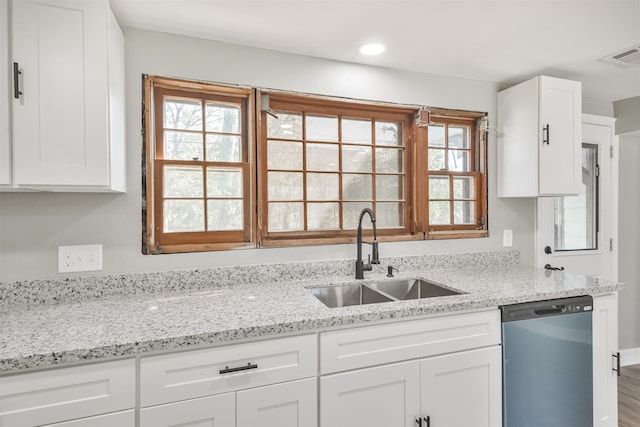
[{"x": 547, "y": 363}]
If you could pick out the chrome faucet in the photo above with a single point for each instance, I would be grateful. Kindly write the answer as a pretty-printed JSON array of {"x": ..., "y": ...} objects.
[{"x": 360, "y": 266}]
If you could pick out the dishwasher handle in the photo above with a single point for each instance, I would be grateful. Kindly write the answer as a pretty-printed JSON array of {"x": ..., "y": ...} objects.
[{"x": 556, "y": 309}]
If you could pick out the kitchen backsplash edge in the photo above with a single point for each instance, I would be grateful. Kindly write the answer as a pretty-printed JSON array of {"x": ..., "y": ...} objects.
[{"x": 80, "y": 288}]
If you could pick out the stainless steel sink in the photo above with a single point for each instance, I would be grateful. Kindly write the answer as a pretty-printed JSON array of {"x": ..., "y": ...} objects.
[
  {"x": 345, "y": 295},
  {"x": 377, "y": 292},
  {"x": 412, "y": 289}
]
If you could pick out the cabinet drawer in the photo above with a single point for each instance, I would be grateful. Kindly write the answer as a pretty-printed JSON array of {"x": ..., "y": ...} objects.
[
  {"x": 65, "y": 394},
  {"x": 373, "y": 345},
  {"x": 191, "y": 374},
  {"x": 120, "y": 419}
]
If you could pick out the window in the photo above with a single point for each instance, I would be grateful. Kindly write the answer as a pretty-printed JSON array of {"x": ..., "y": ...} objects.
[
  {"x": 322, "y": 162},
  {"x": 302, "y": 171},
  {"x": 456, "y": 178},
  {"x": 198, "y": 151}
]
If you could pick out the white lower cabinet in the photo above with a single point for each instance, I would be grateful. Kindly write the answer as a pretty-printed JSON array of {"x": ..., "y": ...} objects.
[
  {"x": 117, "y": 419},
  {"x": 66, "y": 396},
  {"x": 605, "y": 360},
  {"x": 269, "y": 383},
  {"x": 454, "y": 390},
  {"x": 437, "y": 372}
]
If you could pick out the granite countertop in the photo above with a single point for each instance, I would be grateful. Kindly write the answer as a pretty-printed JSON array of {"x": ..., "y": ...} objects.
[{"x": 43, "y": 335}]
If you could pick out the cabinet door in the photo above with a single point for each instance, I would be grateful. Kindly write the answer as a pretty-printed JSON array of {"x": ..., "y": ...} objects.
[
  {"x": 290, "y": 404},
  {"x": 217, "y": 411},
  {"x": 560, "y": 138},
  {"x": 605, "y": 345},
  {"x": 384, "y": 396},
  {"x": 5, "y": 147},
  {"x": 60, "y": 125},
  {"x": 463, "y": 389}
]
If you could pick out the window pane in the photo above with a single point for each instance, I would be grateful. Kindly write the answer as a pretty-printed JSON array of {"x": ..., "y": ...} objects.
[
  {"x": 286, "y": 126},
  {"x": 436, "y": 136},
  {"x": 183, "y": 215},
  {"x": 576, "y": 223},
  {"x": 389, "y": 187},
  {"x": 322, "y": 157},
  {"x": 436, "y": 159},
  {"x": 388, "y": 133},
  {"x": 224, "y": 215},
  {"x": 389, "y": 215},
  {"x": 222, "y": 118},
  {"x": 182, "y": 114},
  {"x": 439, "y": 188},
  {"x": 224, "y": 148},
  {"x": 357, "y": 187},
  {"x": 351, "y": 213},
  {"x": 458, "y": 137},
  {"x": 286, "y": 216},
  {"x": 223, "y": 183},
  {"x": 439, "y": 213},
  {"x": 321, "y": 128},
  {"x": 182, "y": 145},
  {"x": 464, "y": 212},
  {"x": 463, "y": 187},
  {"x": 356, "y": 131},
  {"x": 323, "y": 216},
  {"x": 356, "y": 159},
  {"x": 459, "y": 161},
  {"x": 322, "y": 186},
  {"x": 285, "y": 186},
  {"x": 183, "y": 181},
  {"x": 388, "y": 160},
  {"x": 284, "y": 155}
]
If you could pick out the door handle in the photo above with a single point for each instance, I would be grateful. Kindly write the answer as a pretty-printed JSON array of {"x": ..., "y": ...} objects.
[
  {"x": 617, "y": 368},
  {"x": 550, "y": 267},
  {"x": 17, "y": 93}
]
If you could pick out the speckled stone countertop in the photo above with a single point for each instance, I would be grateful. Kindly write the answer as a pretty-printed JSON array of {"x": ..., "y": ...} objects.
[{"x": 78, "y": 329}]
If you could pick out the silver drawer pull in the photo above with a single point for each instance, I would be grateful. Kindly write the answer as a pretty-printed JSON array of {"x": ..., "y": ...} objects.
[{"x": 228, "y": 370}]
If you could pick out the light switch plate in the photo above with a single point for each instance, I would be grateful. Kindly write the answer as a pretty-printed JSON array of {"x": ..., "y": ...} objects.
[{"x": 79, "y": 258}]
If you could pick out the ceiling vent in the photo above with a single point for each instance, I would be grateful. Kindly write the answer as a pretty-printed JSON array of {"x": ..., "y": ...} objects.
[{"x": 627, "y": 57}]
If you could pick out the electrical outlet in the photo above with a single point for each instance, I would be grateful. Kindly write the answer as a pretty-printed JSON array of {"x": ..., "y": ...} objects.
[
  {"x": 507, "y": 238},
  {"x": 79, "y": 258}
]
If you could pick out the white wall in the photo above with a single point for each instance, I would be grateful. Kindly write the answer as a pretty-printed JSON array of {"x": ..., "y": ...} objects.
[
  {"x": 629, "y": 245},
  {"x": 33, "y": 225},
  {"x": 627, "y": 113}
]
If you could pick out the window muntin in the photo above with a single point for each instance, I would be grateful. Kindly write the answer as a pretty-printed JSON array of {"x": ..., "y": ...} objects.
[{"x": 324, "y": 165}]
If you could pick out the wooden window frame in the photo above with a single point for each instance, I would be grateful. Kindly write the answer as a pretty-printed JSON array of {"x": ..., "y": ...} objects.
[
  {"x": 155, "y": 241},
  {"x": 478, "y": 160},
  {"x": 307, "y": 104}
]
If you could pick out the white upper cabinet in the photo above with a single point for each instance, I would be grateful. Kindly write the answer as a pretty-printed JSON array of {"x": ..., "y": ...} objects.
[
  {"x": 68, "y": 105},
  {"x": 539, "y": 138},
  {"x": 5, "y": 144}
]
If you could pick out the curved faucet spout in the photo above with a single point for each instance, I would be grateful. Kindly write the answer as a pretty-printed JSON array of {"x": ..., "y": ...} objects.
[{"x": 361, "y": 267}]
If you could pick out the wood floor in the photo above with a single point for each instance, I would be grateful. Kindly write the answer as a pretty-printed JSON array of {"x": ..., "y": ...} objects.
[{"x": 629, "y": 397}]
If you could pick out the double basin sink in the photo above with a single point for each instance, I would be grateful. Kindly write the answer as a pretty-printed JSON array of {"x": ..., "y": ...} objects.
[{"x": 377, "y": 292}]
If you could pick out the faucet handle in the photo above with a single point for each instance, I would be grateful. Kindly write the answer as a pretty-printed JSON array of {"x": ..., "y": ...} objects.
[{"x": 374, "y": 250}]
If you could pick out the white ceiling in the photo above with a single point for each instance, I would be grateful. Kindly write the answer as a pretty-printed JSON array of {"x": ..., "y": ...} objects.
[{"x": 504, "y": 41}]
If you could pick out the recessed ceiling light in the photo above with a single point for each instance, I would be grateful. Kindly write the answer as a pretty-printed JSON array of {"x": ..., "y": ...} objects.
[{"x": 372, "y": 49}]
